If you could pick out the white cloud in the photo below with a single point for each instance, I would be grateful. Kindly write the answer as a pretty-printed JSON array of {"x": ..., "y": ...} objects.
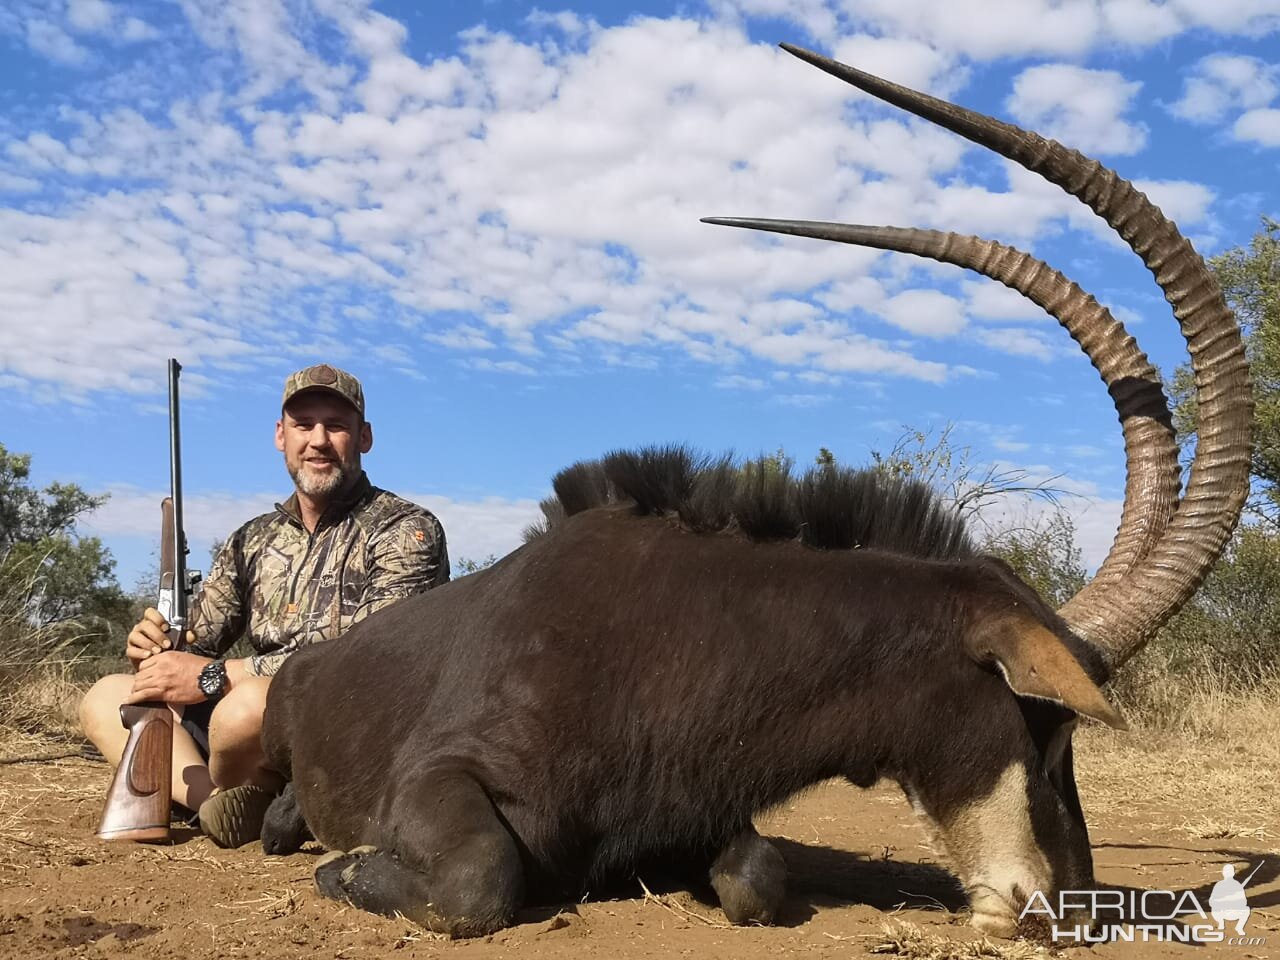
[
  {"x": 1259, "y": 126},
  {"x": 50, "y": 40},
  {"x": 737, "y": 381},
  {"x": 1096, "y": 519},
  {"x": 502, "y": 366},
  {"x": 1015, "y": 341},
  {"x": 1084, "y": 451},
  {"x": 206, "y": 516},
  {"x": 115, "y": 259},
  {"x": 1183, "y": 201},
  {"x": 566, "y": 21},
  {"x": 546, "y": 193},
  {"x": 476, "y": 529},
  {"x": 463, "y": 337},
  {"x": 473, "y": 528},
  {"x": 1081, "y": 108},
  {"x": 48, "y": 27},
  {"x": 911, "y": 63},
  {"x": 815, "y": 376},
  {"x": 986, "y": 28},
  {"x": 816, "y": 16},
  {"x": 1246, "y": 17},
  {"x": 862, "y": 355},
  {"x": 1221, "y": 82},
  {"x": 1139, "y": 22},
  {"x": 929, "y": 313},
  {"x": 804, "y": 401},
  {"x": 990, "y": 29},
  {"x": 12, "y": 184},
  {"x": 1005, "y": 445},
  {"x": 134, "y": 30},
  {"x": 574, "y": 156},
  {"x": 89, "y": 16},
  {"x": 268, "y": 39},
  {"x": 994, "y": 301}
]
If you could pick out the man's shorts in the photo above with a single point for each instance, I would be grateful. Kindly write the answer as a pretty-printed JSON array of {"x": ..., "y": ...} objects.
[{"x": 195, "y": 720}]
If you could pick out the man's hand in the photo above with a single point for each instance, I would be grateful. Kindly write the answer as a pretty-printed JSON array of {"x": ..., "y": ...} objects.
[
  {"x": 149, "y": 637},
  {"x": 171, "y": 676}
]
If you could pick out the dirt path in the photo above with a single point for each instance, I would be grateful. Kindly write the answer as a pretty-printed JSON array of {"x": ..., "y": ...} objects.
[{"x": 862, "y": 879}]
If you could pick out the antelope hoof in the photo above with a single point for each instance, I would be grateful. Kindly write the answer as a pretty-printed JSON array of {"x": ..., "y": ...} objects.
[
  {"x": 1002, "y": 924},
  {"x": 336, "y": 868}
]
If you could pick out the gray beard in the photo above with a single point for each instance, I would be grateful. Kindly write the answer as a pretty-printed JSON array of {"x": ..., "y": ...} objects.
[{"x": 312, "y": 485}]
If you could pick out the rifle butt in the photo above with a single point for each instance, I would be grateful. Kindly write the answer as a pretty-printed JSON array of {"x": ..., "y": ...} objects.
[{"x": 138, "y": 800}]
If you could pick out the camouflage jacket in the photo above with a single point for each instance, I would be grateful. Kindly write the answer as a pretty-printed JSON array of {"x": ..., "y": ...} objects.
[{"x": 282, "y": 587}]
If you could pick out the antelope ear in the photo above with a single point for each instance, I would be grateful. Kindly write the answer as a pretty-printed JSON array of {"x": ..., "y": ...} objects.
[{"x": 1035, "y": 663}]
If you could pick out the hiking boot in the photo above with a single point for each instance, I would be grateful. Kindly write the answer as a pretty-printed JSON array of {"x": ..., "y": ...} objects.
[{"x": 233, "y": 817}]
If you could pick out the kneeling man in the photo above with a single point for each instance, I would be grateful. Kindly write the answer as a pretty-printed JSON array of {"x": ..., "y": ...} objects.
[{"x": 338, "y": 549}]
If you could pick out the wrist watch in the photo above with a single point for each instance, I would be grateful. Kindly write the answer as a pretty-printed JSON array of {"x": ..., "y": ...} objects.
[{"x": 213, "y": 679}]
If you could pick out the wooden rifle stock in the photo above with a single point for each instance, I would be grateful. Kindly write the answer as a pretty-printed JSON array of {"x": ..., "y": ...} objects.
[{"x": 139, "y": 798}]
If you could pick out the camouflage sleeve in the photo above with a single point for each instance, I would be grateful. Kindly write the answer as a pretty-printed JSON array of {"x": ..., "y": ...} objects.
[
  {"x": 218, "y": 615},
  {"x": 408, "y": 557},
  {"x": 266, "y": 664}
]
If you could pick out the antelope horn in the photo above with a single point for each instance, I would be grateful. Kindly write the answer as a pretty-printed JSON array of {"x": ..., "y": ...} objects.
[
  {"x": 1144, "y": 587},
  {"x": 1151, "y": 451}
]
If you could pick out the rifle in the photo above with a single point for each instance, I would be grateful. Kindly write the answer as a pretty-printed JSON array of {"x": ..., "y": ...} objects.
[{"x": 137, "y": 805}]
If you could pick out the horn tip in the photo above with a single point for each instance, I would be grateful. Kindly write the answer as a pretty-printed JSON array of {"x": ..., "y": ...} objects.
[
  {"x": 730, "y": 221},
  {"x": 796, "y": 51}
]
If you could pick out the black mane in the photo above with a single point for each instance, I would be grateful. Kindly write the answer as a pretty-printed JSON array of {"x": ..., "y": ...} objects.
[{"x": 827, "y": 507}]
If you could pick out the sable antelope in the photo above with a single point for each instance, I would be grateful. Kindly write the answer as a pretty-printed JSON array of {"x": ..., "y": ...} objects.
[{"x": 691, "y": 642}]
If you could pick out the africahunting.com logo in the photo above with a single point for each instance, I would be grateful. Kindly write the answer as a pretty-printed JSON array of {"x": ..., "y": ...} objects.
[{"x": 1140, "y": 916}]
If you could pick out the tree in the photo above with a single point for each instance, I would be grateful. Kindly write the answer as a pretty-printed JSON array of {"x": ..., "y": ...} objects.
[
  {"x": 1041, "y": 549},
  {"x": 467, "y": 565},
  {"x": 951, "y": 472},
  {"x": 1232, "y": 625},
  {"x": 28, "y": 515},
  {"x": 56, "y": 576},
  {"x": 1250, "y": 280},
  {"x": 1043, "y": 552}
]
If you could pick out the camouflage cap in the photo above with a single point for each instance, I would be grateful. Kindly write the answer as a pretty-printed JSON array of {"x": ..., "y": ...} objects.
[{"x": 324, "y": 377}]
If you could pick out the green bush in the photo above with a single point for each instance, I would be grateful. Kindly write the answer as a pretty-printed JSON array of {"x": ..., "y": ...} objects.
[{"x": 1232, "y": 625}]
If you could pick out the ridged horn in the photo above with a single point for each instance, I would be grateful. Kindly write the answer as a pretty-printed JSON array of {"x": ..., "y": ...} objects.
[
  {"x": 1142, "y": 591},
  {"x": 1151, "y": 451}
]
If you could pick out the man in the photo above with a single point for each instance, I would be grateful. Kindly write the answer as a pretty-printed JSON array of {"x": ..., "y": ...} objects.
[{"x": 334, "y": 552}]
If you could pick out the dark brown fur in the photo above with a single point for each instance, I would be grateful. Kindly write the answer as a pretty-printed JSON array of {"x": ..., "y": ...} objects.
[
  {"x": 830, "y": 507},
  {"x": 625, "y": 690}
]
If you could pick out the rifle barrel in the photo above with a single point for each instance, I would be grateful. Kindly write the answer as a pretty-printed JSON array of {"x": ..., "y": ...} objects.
[{"x": 175, "y": 491}]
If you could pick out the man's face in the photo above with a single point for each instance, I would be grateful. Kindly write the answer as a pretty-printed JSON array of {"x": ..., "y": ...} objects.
[{"x": 322, "y": 437}]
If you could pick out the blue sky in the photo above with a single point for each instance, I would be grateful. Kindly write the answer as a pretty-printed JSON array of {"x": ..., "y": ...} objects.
[{"x": 488, "y": 211}]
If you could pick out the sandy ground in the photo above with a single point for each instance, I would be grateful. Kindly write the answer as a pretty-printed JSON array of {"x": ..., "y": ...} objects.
[{"x": 863, "y": 879}]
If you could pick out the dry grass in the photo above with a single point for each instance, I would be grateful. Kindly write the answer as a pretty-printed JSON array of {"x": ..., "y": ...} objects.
[
  {"x": 1209, "y": 750},
  {"x": 902, "y": 939},
  {"x": 673, "y": 905},
  {"x": 1196, "y": 699},
  {"x": 44, "y": 707},
  {"x": 39, "y": 692},
  {"x": 273, "y": 904}
]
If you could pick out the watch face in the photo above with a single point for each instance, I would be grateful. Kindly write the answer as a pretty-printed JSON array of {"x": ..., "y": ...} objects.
[{"x": 212, "y": 679}]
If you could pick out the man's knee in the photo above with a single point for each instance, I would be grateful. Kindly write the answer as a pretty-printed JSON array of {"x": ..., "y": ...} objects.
[
  {"x": 238, "y": 717},
  {"x": 101, "y": 705}
]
